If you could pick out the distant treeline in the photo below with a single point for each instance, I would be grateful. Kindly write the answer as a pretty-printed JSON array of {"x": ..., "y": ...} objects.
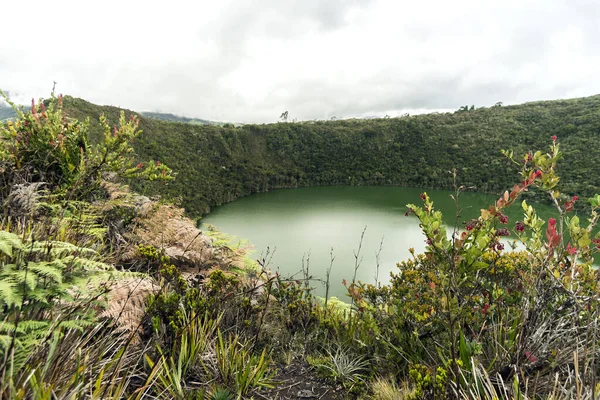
[{"x": 217, "y": 164}]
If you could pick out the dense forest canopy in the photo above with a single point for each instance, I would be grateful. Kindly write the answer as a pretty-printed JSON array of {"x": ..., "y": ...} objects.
[{"x": 217, "y": 164}]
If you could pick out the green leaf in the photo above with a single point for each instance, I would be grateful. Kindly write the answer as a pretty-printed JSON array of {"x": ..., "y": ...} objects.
[
  {"x": 46, "y": 269},
  {"x": 575, "y": 222},
  {"x": 9, "y": 293},
  {"x": 26, "y": 277},
  {"x": 9, "y": 241},
  {"x": 584, "y": 241},
  {"x": 465, "y": 352}
]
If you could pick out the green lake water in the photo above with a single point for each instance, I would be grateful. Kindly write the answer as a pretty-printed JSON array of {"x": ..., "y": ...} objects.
[{"x": 306, "y": 223}]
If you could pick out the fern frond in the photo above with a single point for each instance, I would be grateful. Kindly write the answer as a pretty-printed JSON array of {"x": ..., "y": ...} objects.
[
  {"x": 87, "y": 264},
  {"x": 48, "y": 269},
  {"x": 29, "y": 326},
  {"x": 5, "y": 341},
  {"x": 58, "y": 249},
  {"x": 8, "y": 242},
  {"x": 9, "y": 327},
  {"x": 25, "y": 276},
  {"x": 76, "y": 324},
  {"x": 9, "y": 293},
  {"x": 41, "y": 296}
]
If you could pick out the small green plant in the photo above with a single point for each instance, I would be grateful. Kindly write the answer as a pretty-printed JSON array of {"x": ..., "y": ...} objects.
[
  {"x": 239, "y": 368},
  {"x": 184, "y": 359},
  {"x": 221, "y": 393},
  {"x": 428, "y": 384},
  {"x": 342, "y": 366}
]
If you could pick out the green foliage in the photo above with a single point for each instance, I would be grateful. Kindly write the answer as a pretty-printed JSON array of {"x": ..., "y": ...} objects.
[
  {"x": 342, "y": 366},
  {"x": 428, "y": 384},
  {"x": 175, "y": 368},
  {"x": 464, "y": 319},
  {"x": 239, "y": 368},
  {"x": 53, "y": 254},
  {"x": 43, "y": 286},
  {"x": 217, "y": 164},
  {"x": 221, "y": 394},
  {"x": 466, "y": 305},
  {"x": 43, "y": 145}
]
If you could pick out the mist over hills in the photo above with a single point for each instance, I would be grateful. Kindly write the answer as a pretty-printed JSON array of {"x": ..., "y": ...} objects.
[{"x": 175, "y": 118}]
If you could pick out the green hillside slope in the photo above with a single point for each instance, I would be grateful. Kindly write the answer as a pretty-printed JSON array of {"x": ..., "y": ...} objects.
[
  {"x": 174, "y": 118},
  {"x": 217, "y": 164}
]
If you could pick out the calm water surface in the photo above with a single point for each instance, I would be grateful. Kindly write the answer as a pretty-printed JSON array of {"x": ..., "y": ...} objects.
[{"x": 306, "y": 223}]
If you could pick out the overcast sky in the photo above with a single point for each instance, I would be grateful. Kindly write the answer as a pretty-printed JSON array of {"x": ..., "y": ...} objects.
[{"x": 248, "y": 61}]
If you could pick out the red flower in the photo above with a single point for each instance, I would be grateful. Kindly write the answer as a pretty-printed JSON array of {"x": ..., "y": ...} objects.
[
  {"x": 503, "y": 218},
  {"x": 502, "y": 232},
  {"x": 471, "y": 225},
  {"x": 571, "y": 250},
  {"x": 485, "y": 309},
  {"x": 551, "y": 234},
  {"x": 140, "y": 166},
  {"x": 554, "y": 138},
  {"x": 519, "y": 226},
  {"x": 422, "y": 196},
  {"x": 569, "y": 204},
  {"x": 538, "y": 173}
]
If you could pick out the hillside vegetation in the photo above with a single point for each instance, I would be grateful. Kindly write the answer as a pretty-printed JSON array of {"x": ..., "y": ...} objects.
[
  {"x": 106, "y": 294},
  {"x": 217, "y": 164}
]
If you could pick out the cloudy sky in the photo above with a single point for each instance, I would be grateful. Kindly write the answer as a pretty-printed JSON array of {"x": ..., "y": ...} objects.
[{"x": 248, "y": 61}]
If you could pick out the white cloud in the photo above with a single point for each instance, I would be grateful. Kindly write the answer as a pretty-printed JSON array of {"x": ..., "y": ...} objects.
[{"x": 249, "y": 61}]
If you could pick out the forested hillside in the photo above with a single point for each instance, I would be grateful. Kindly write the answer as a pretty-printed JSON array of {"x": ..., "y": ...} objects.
[
  {"x": 174, "y": 118},
  {"x": 217, "y": 164}
]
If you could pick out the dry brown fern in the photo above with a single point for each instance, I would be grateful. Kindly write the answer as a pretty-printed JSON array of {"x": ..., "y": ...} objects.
[
  {"x": 166, "y": 228},
  {"x": 127, "y": 303}
]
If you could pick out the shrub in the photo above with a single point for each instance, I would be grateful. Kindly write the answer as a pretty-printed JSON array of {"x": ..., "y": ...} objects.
[{"x": 44, "y": 145}]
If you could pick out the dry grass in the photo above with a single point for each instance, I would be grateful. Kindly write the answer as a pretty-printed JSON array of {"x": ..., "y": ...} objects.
[
  {"x": 387, "y": 389},
  {"x": 165, "y": 227}
]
